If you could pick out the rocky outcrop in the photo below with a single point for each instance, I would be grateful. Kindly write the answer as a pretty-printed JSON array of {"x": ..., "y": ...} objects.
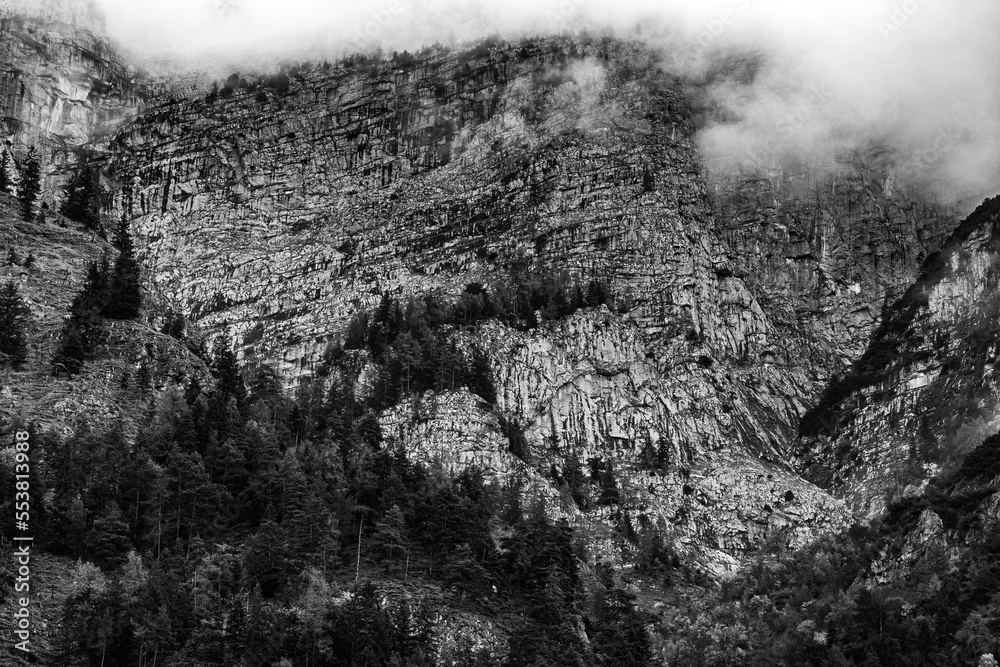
[
  {"x": 824, "y": 252},
  {"x": 79, "y": 14},
  {"x": 276, "y": 209},
  {"x": 924, "y": 394},
  {"x": 417, "y": 175},
  {"x": 583, "y": 389},
  {"x": 63, "y": 87}
]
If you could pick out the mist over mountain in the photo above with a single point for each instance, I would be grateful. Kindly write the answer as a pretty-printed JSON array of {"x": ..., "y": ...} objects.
[
  {"x": 918, "y": 81},
  {"x": 533, "y": 334}
]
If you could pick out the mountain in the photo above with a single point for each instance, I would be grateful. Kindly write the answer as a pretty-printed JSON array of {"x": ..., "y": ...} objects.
[
  {"x": 65, "y": 87},
  {"x": 278, "y": 208},
  {"x": 506, "y": 258},
  {"x": 922, "y": 397}
]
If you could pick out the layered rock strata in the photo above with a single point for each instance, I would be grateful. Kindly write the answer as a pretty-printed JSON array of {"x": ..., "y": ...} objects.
[{"x": 924, "y": 393}]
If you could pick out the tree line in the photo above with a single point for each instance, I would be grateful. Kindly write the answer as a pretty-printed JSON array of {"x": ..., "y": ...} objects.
[
  {"x": 27, "y": 185},
  {"x": 109, "y": 292},
  {"x": 244, "y": 526}
]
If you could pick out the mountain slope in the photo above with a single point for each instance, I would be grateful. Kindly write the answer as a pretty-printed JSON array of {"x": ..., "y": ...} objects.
[
  {"x": 278, "y": 208},
  {"x": 923, "y": 395}
]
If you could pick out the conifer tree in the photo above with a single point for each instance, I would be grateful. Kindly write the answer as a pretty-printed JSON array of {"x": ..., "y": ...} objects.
[
  {"x": 464, "y": 570},
  {"x": 4, "y": 173},
  {"x": 14, "y": 319},
  {"x": 618, "y": 635},
  {"x": 84, "y": 331},
  {"x": 549, "y": 638},
  {"x": 609, "y": 486},
  {"x": 390, "y": 541},
  {"x": 124, "y": 291},
  {"x": 30, "y": 186},
  {"x": 143, "y": 378},
  {"x": 83, "y": 198},
  {"x": 226, "y": 369},
  {"x": 266, "y": 559},
  {"x": 107, "y": 541}
]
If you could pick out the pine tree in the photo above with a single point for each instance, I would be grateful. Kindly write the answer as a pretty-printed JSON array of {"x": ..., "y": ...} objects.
[
  {"x": 143, "y": 378},
  {"x": 4, "y": 173},
  {"x": 390, "y": 541},
  {"x": 464, "y": 570},
  {"x": 618, "y": 635},
  {"x": 609, "y": 486},
  {"x": 193, "y": 390},
  {"x": 550, "y": 636},
  {"x": 84, "y": 331},
  {"x": 14, "y": 319},
  {"x": 124, "y": 291},
  {"x": 226, "y": 369},
  {"x": 480, "y": 376},
  {"x": 107, "y": 541},
  {"x": 30, "y": 186},
  {"x": 266, "y": 561},
  {"x": 597, "y": 293},
  {"x": 575, "y": 481},
  {"x": 173, "y": 325},
  {"x": 83, "y": 198}
]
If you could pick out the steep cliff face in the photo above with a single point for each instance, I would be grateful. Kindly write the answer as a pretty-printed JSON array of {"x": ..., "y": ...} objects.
[
  {"x": 79, "y": 14},
  {"x": 924, "y": 393},
  {"x": 583, "y": 389},
  {"x": 825, "y": 252},
  {"x": 422, "y": 172},
  {"x": 65, "y": 89},
  {"x": 277, "y": 209},
  {"x": 62, "y": 86}
]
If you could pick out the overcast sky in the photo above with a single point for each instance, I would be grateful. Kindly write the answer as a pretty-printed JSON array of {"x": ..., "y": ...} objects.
[{"x": 921, "y": 75}]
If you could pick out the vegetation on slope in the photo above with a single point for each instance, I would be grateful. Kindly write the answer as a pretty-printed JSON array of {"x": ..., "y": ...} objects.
[
  {"x": 892, "y": 335},
  {"x": 243, "y": 526},
  {"x": 896, "y": 593},
  {"x": 247, "y": 527}
]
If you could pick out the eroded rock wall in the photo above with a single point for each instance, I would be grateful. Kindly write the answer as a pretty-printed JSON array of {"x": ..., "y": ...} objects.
[
  {"x": 278, "y": 209},
  {"x": 63, "y": 87},
  {"x": 925, "y": 392}
]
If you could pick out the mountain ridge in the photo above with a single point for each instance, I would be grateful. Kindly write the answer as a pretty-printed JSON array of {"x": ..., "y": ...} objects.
[{"x": 277, "y": 208}]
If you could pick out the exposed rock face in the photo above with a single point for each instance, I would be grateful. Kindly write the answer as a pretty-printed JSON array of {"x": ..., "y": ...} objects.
[
  {"x": 276, "y": 210},
  {"x": 824, "y": 253},
  {"x": 80, "y": 14},
  {"x": 925, "y": 391},
  {"x": 62, "y": 86},
  {"x": 278, "y": 213},
  {"x": 584, "y": 389},
  {"x": 587, "y": 388}
]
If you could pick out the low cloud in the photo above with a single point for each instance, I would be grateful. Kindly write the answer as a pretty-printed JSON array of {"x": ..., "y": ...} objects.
[{"x": 808, "y": 81}]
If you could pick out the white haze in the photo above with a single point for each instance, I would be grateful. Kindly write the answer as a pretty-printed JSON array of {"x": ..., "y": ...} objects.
[{"x": 918, "y": 78}]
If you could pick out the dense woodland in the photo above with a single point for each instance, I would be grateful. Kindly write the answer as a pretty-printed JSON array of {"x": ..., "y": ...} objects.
[
  {"x": 232, "y": 530},
  {"x": 242, "y": 525}
]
